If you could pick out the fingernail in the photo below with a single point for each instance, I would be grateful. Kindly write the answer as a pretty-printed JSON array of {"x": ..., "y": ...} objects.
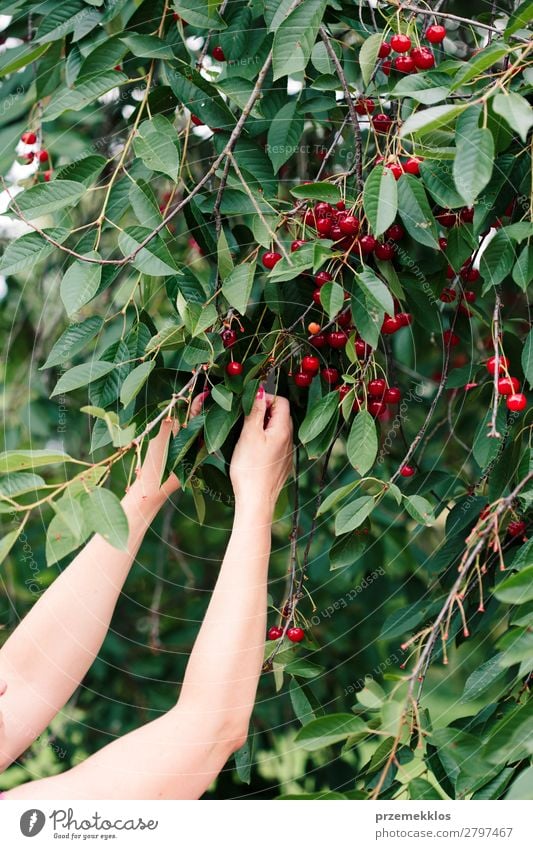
[{"x": 260, "y": 393}]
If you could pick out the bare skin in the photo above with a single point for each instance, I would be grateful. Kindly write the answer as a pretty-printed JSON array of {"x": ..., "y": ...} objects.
[{"x": 179, "y": 754}]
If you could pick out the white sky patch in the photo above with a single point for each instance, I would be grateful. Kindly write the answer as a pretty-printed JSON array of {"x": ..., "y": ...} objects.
[
  {"x": 127, "y": 111},
  {"x": 3, "y": 287},
  {"x": 110, "y": 96},
  {"x": 5, "y": 20},
  {"x": 294, "y": 86},
  {"x": 194, "y": 43}
]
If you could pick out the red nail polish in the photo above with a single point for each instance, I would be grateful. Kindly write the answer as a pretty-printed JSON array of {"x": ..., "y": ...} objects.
[{"x": 260, "y": 393}]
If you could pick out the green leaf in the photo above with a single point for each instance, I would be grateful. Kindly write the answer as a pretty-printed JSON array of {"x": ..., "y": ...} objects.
[
  {"x": 419, "y": 508},
  {"x": 331, "y": 298},
  {"x": 18, "y": 484},
  {"x": 80, "y": 283},
  {"x": 368, "y": 56},
  {"x": 73, "y": 340},
  {"x": 147, "y": 46},
  {"x": 497, "y": 259},
  {"x": 108, "y": 54},
  {"x": 362, "y": 443},
  {"x": 295, "y": 37},
  {"x": 522, "y": 786},
  {"x": 135, "y": 381},
  {"x": 427, "y": 120},
  {"x": 60, "y": 20},
  {"x": 327, "y": 730},
  {"x": 155, "y": 144},
  {"x": 472, "y": 168},
  {"x": 105, "y": 516},
  {"x": 375, "y": 290},
  {"x": 349, "y": 548},
  {"x": 8, "y": 541},
  {"x": 415, "y": 211},
  {"x": 353, "y": 514},
  {"x": 144, "y": 205},
  {"x": 19, "y": 57},
  {"x": 183, "y": 440},
  {"x": 300, "y": 703},
  {"x": 222, "y": 396},
  {"x": 26, "y": 251},
  {"x": 514, "y": 109},
  {"x": 368, "y": 317},
  {"x": 318, "y": 417},
  {"x": 224, "y": 258},
  {"x": 380, "y": 199},
  {"x": 336, "y": 496},
  {"x": 218, "y": 423},
  {"x": 83, "y": 94},
  {"x": 45, "y": 198},
  {"x": 519, "y": 19},
  {"x": 523, "y": 268},
  {"x": 61, "y": 540},
  {"x": 317, "y": 191},
  {"x": 198, "y": 95},
  {"x": 483, "y": 59},
  {"x": 284, "y": 134},
  {"x": 200, "y": 13},
  {"x": 517, "y": 588},
  {"x": 155, "y": 259},
  {"x": 438, "y": 180},
  {"x": 81, "y": 375},
  {"x": 527, "y": 358},
  {"x": 17, "y": 461},
  {"x": 419, "y": 788},
  {"x": 238, "y": 284},
  {"x": 482, "y": 678}
]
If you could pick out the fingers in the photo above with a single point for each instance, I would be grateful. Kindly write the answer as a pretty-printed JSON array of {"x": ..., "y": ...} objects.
[
  {"x": 257, "y": 413},
  {"x": 280, "y": 414},
  {"x": 198, "y": 402},
  {"x": 3, "y": 686}
]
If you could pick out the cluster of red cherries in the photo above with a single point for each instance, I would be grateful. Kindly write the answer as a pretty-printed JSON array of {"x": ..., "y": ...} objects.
[
  {"x": 41, "y": 156},
  {"x": 410, "y": 59},
  {"x": 295, "y": 635},
  {"x": 508, "y": 386}
]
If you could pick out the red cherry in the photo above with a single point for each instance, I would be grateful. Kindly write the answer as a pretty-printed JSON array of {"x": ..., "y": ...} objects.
[
  {"x": 296, "y": 244},
  {"x": 196, "y": 121},
  {"x": 381, "y": 123},
  {"x": 296, "y": 635},
  {"x": 395, "y": 232},
  {"x": 349, "y": 225},
  {"x": 447, "y": 296},
  {"x": 364, "y": 106},
  {"x": 303, "y": 379},
  {"x": 322, "y": 277},
  {"x": 450, "y": 338},
  {"x": 516, "y": 402},
  {"x": 344, "y": 319},
  {"x": 386, "y": 66},
  {"x": 274, "y": 633},
  {"x": 508, "y": 385},
  {"x": 517, "y": 528},
  {"x": 394, "y": 167},
  {"x": 310, "y": 364},
  {"x": 407, "y": 471},
  {"x": 323, "y": 226},
  {"x": 450, "y": 273},
  {"x": 377, "y": 387},
  {"x": 316, "y": 297},
  {"x": 404, "y": 64},
  {"x": 443, "y": 243},
  {"x": 318, "y": 340},
  {"x": 47, "y": 176},
  {"x": 337, "y": 339},
  {"x": 423, "y": 58},
  {"x": 435, "y": 34},
  {"x": 400, "y": 43},
  {"x": 503, "y": 364},
  {"x": 234, "y": 368},
  {"x": 343, "y": 390},
  {"x": 393, "y": 395},
  {"x": 446, "y": 218},
  {"x": 309, "y": 217},
  {"x": 218, "y": 54},
  {"x": 412, "y": 166},
  {"x": 335, "y": 233},
  {"x": 29, "y": 157},
  {"x": 384, "y": 50},
  {"x": 469, "y": 296},
  {"x": 323, "y": 209},
  {"x": 270, "y": 258},
  {"x": 229, "y": 337},
  {"x": 341, "y": 205},
  {"x": 473, "y": 275},
  {"x": 330, "y": 375},
  {"x": 367, "y": 244},
  {"x": 376, "y": 408},
  {"x": 404, "y": 319},
  {"x": 43, "y": 155},
  {"x": 28, "y": 137},
  {"x": 384, "y": 250},
  {"x": 390, "y": 324},
  {"x": 362, "y": 350},
  {"x": 467, "y": 214}
]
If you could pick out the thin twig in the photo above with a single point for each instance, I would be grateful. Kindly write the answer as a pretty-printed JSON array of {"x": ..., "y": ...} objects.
[{"x": 493, "y": 430}]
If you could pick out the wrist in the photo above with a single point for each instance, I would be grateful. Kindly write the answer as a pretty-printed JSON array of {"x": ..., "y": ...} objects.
[
  {"x": 136, "y": 501},
  {"x": 256, "y": 509}
]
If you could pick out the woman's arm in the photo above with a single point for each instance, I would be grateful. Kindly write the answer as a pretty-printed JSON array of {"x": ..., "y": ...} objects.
[
  {"x": 51, "y": 650},
  {"x": 178, "y": 755}
]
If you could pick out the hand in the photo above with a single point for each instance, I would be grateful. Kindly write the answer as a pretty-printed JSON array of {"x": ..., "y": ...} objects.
[
  {"x": 263, "y": 456},
  {"x": 148, "y": 483}
]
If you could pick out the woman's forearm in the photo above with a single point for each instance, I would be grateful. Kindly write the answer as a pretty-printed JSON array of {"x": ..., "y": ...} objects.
[
  {"x": 222, "y": 675},
  {"x": 55, "y": 644}
]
